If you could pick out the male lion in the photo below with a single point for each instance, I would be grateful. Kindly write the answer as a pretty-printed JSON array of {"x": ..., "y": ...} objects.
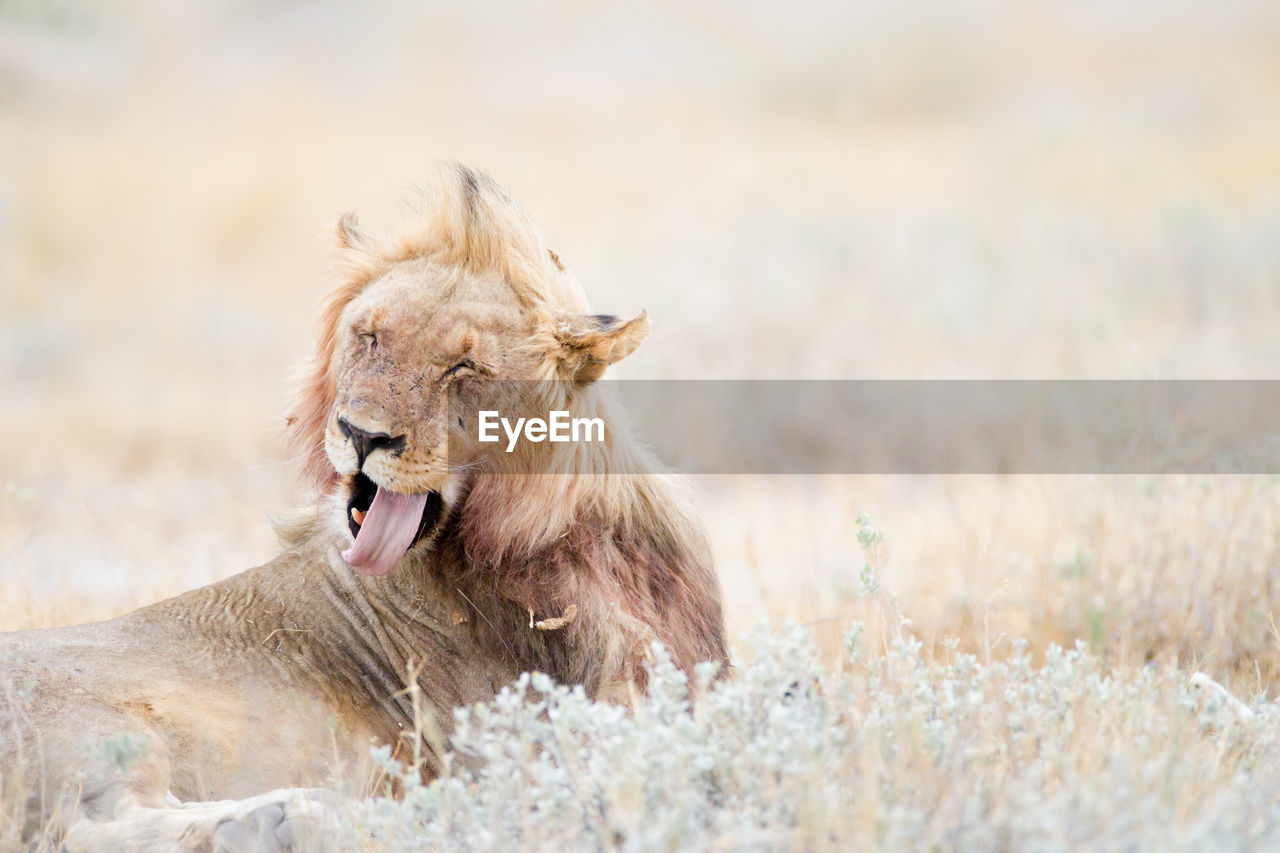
[{"x": 430, "y": 559}]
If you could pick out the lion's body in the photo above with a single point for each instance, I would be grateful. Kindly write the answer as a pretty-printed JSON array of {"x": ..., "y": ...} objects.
[
  {"x": 284, "y": 675},
  {"x": 253, "y": 683}
]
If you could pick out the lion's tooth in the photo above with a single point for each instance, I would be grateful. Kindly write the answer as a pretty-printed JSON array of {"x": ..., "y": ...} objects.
[{"x": 357, "y": 515}]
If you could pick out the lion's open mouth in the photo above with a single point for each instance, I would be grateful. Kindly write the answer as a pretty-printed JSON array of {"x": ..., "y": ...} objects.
[{"x": 386, "y": 524}]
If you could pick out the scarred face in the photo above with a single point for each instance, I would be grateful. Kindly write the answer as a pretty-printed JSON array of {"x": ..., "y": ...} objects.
[{"x": 406, "y": 346}]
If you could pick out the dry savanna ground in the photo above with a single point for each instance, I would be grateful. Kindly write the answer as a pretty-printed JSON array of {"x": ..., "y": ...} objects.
[{"x": 872, "y": 190}]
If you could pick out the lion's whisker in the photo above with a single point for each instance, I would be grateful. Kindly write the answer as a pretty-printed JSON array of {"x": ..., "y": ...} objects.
[{"x": 514, "y": 659}]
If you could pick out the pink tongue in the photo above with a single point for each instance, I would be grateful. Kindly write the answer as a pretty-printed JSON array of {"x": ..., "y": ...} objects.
[{"x": 387, "y": 532}]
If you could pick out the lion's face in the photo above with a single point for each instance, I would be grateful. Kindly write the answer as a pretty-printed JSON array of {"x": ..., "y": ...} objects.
[{"x": 418, "y": 352}]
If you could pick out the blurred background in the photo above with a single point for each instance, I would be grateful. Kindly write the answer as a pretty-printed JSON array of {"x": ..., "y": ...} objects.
[{"x": 870, "y": 189}]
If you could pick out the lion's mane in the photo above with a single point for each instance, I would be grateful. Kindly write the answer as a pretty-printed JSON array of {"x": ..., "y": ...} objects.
[{"x": 604, "y": 535}]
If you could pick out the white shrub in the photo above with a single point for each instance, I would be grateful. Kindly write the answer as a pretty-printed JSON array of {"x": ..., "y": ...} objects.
[{"x": 897, "y": 754}]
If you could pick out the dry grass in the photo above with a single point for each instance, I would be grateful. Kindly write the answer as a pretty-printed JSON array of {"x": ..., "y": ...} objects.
[
  {"x": 885, "y": 190},
  {"x": 1172, "y": 569}
]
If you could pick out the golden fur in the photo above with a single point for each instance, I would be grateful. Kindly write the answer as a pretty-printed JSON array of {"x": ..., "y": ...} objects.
[{"x": 563, "y": 558}]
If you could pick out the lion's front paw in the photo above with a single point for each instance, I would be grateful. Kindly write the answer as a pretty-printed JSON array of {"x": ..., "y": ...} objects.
[{"x": 290, "y": 819}]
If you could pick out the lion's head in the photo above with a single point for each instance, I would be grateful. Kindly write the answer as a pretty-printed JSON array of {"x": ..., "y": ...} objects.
[
  {"x": 467, "y": 310},
  {"x": 419, "y": 337}
]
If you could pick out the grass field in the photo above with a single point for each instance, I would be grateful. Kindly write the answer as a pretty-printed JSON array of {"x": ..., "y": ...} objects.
[{"x": 878, "y": 190}]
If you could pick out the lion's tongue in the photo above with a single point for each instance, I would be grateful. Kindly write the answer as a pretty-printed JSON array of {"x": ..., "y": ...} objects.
[{"x": 386, "y": 533}]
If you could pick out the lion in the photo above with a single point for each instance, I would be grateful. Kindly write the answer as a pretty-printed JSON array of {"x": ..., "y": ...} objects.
[{"x": 429, "y": 571}]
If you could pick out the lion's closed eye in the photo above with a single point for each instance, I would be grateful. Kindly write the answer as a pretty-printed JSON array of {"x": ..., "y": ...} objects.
[
  {"x": 468, "y": 366},
  {"x": 465, "y": 364},
  {"x": 366, "y": 338}
]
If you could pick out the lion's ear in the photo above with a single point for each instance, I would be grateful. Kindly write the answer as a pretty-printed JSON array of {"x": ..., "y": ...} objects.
[
  {"x": 358, "y": 259},
  {"x": 591, "y": 342},
  {"x": 349, "y": 235}
]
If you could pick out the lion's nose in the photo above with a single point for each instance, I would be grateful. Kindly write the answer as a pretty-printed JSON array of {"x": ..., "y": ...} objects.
[{"x": 366, "y": 442}]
